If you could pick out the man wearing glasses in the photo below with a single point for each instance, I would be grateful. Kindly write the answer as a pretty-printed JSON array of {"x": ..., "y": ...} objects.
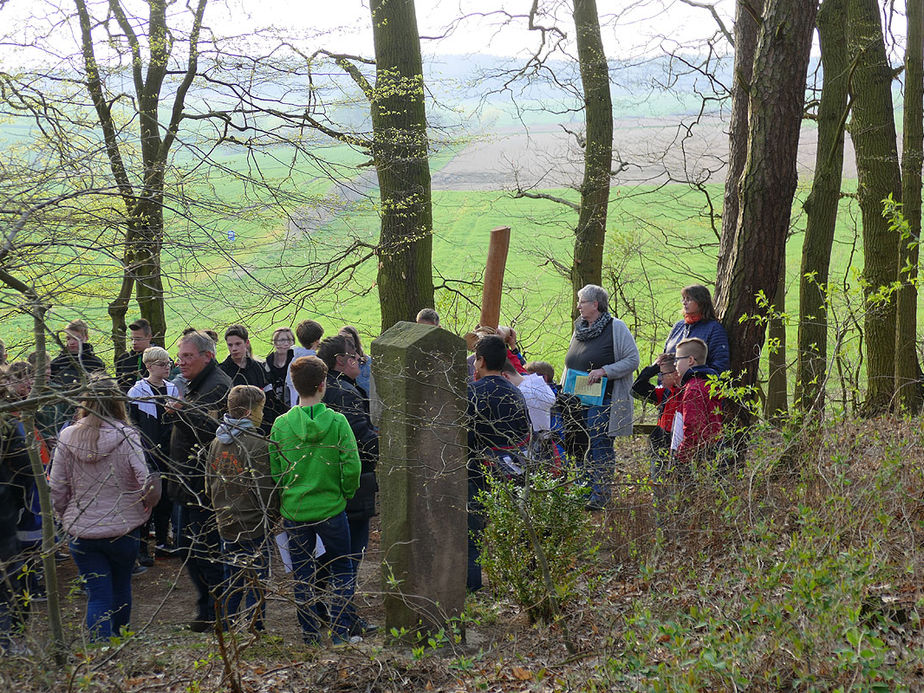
[{"x": 197, "y": 418}]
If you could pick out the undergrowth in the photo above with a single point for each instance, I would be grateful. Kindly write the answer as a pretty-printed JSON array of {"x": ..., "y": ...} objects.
[{"x": 801, "y": 570}]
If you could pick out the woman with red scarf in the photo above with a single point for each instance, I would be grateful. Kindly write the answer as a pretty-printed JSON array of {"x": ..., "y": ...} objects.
[{"x": 699, "y": 321}]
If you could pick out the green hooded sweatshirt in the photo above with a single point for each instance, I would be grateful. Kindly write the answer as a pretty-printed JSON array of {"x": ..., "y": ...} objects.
[{"x": 315, "y": 463}]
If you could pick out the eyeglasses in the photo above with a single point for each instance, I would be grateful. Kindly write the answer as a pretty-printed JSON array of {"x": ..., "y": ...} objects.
[
  {"x": 283, "y": 340},
  {"x": 681, "y": 358},
  {"x": 349, "y": 357}
]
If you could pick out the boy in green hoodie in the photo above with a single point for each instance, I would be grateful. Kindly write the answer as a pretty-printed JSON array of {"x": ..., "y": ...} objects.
[
  {"x": 315, "y": 462},
  {"x": 243, "y": 496}
]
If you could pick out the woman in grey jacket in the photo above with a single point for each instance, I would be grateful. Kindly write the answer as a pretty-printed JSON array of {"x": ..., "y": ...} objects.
[
  {"x": 102, "y": 492},
  {"x": 604, "y": 348}
]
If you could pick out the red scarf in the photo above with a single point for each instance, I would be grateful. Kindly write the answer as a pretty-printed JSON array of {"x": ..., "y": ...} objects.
[{"x": 690, "y": 319}]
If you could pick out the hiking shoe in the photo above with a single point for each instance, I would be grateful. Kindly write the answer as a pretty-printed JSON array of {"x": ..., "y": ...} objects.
[
  {"x": 201, "y": 626},
  {"x": 145, "y": 561},
  {"x": 344, "y": 640},
  {"x": 361, "y": 626},
  {"x": 138, "y": 569}
]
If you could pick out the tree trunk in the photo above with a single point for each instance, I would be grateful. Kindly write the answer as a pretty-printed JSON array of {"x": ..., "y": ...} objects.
[
  {"x": 907, "y": 368},
  {"x": 590, "y": 234},
  {"x": 767, "y": 182},
  {"x": 821, "y": 209},
  {"x": 405, "y": 276},
  {"x": 776, "y": 405},
  {"x": 746, "y": 30},
  {"x": 149, "y": 288},
  {"x": 872, "y": 129}
]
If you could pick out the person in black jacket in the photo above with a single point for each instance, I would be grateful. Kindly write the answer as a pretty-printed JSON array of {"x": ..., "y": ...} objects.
[
  {"x": 130, "y": 366},
  {"x": 77, "y": 360},
  {"x": 244, "y": 369},
  {"x": 498, "y": 423},
  {"x": 15, "y": 478},
  {"x": 74, "y": 365},
  {"x": 345, "y": 396},
  {"x": 195, "y": 422},
  {"x": 147, "y": 406}
]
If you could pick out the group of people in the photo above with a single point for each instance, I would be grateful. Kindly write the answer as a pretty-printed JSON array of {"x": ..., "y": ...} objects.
[
  {"x": 213, "y": 458},
  {"x": 213, "y": 451}
]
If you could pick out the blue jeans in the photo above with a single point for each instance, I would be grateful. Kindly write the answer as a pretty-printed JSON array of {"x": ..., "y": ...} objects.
[
  {"x": 246, "y": 571},
  {"x": 600, "y": 463},
  {"x": 106, "y": 566},
  {"x": 335, "y": 533},
  {"x": 204, "y": 564}
]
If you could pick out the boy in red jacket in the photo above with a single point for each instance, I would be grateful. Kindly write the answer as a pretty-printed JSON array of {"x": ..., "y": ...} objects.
[{"x": 698, "y": 422}]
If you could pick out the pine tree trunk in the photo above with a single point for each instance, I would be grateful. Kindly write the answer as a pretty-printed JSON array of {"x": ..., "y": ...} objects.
[
  {"x": 821, "y": 209},
  {"x": 405, "y": 276},
  {"x": 907, "y": 368},
  {"x": 590, "y": 234},
  {"x": 872, "y": 129},
  {"x": 767, "y": 182},
  {"x": 746, "y": 30}
]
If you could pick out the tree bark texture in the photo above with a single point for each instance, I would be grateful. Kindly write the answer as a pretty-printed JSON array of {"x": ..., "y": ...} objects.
[
  {"x": 777, "y": 388},
  {"x": 754, "y": 254},
  {"x": 907, "y": 367},
  {"x": 747, "y": 16},
  {"x": 590, "y": 234},
  {"x": 872, "y": 129},
  {"x": 405, "y": 276},
  {"x": 821, "y": 209}
]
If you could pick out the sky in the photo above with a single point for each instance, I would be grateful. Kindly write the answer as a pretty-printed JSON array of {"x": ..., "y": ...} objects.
[{"x": 346, "y": 25}]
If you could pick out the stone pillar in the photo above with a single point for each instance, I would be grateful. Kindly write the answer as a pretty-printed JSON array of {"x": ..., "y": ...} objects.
[{"x": 420, "y": 377}]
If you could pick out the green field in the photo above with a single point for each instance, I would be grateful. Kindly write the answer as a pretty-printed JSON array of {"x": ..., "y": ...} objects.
[{"x": 659, "y": 239}]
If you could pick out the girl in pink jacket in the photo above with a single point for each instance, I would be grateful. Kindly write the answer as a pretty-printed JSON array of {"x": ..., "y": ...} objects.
[{"x": 103, "y": 492}]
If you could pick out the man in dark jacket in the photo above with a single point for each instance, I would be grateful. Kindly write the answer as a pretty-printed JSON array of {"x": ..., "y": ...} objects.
[
  {"x": 130, "y": 366},
  {"x": 345, "y": 396},
  {"x": 195, "y": 423}
]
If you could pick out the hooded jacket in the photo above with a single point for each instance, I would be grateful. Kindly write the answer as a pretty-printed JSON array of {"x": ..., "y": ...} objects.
[
  {"x": 315, "y": 463},
  {"x": 702, "y": 413},
  {"x": 239, "y": 482},
  {"x": 98, "y": 493}
]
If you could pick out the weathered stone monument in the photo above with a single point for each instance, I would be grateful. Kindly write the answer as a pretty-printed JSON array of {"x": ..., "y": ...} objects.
[{"x": 420, "y": 378}]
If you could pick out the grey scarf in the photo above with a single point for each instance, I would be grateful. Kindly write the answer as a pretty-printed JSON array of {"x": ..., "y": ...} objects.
[{"x": 584, "y": 332}]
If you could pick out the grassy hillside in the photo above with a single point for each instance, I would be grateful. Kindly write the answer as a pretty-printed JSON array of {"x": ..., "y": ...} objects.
[{"x": 659, "y": 239}]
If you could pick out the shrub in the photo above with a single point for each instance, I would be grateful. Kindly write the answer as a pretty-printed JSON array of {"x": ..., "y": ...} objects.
[{"x": 535, "y": 541}]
